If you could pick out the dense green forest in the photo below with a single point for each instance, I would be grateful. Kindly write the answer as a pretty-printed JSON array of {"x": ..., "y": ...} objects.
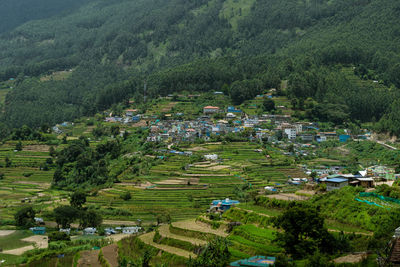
[
  {"x": 239, "y": 46},
  {"x": 15, "y": 13}
]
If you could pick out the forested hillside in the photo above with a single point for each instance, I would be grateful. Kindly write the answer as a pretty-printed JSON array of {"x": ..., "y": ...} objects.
[
  {"x": 239, "y": 46},
  {"x": 14, "y": 13}
]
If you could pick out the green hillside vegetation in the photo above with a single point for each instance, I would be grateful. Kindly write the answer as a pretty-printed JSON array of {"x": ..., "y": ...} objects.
[{"x": 240, "y": 47}]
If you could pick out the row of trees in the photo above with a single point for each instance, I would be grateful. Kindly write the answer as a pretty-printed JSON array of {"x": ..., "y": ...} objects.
[{"x": 63, "y": 215}]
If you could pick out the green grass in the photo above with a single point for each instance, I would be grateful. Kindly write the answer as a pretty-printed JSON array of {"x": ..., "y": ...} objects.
[
  {"x": 13, "y": 240},
  {"x": 10, "y": 259},
  {"x": 234, "y": 10}
]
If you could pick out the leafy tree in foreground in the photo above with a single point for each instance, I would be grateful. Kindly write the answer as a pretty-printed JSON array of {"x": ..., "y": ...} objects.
[
  {"x": 90, "y": 218},
  {"x": 215, "y": 254},
  {"x": 25, "y": 217},
  {"x": 65, "y": 215},
  {"x": 304, "y": 231},
  {"x": 78, "y": 198}
]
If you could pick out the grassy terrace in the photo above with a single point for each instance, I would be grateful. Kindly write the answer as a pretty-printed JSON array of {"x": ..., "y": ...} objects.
[
  {"x": 183, "y": 189},
  {"x": 177, "y": 185}
]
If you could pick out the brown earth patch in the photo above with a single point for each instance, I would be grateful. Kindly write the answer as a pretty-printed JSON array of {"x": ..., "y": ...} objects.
[
  {"x": 141, "y": 123},
  {"x": 287, "y": 197},
  {"x": 6, "y": 232},
  {"x": 199, "y": 226},
  {"x": 89, "y": 258},
  {"x": 192, "y": 181},
  {"x": 36, "y": 148},
  {"x": 169, "y": 107},
  {"x": 44, "y": 185},
  {"x": 351, "y": 258},
  {"x": 148, "y": 239},
  {"x": 116, "y": 222},
  {"x": 218, "y": 167},
  {"x": 164, "y": 231},
  {"x": 111, "y": 254}
]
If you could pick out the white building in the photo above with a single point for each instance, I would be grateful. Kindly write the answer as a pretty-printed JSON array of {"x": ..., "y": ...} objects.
[
  {"x": 66, "y": 230},
  {"x": 291, "y": 133},
  {"x": 210, "y": 110},
  {"x": 211, "y": 157},
  {"x": 131, "y": 230},
  {"x": 230, "y": 115},
  {"x": 299, "y": 127},
  {"x": 89, "y": 231}
]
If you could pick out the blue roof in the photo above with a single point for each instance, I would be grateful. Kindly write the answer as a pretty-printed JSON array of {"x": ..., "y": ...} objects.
[
  {"x": 225, "y": 202},
  {"x": 337, "y": 180}
]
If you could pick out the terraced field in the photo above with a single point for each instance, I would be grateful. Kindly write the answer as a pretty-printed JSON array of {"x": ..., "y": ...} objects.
[{"x": 177, "y": 184}]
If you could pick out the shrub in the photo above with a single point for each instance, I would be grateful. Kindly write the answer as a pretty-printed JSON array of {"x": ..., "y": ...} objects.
[
  {"x": 126, "y": 196},
  {"x": 59, "y": 236}
]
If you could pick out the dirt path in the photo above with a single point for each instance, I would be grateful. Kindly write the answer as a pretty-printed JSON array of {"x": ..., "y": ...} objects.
[
  {"x": 288, "y": 197},
  {"x": 6, "y": 232},
  {"x": 347, "y": 232},
  {"x": 164, "y": 231},
  {"x": 118, "y": 237},
  {"x": 148, "y": 239},
  {"x": 89, "y": 258},
  {"x": 261, "y": 214},
  {"x": 40, "y": 241},
  {"x": 115, "y": 222},
  {"x": 198, "y": 226},
  {"x": 352, "y": 258},
  {"x": 111, "y": 254}
]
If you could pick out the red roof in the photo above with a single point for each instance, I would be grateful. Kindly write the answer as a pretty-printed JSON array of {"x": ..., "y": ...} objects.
[
  {"x": 132, "y": 110},
  {"x": 211, "y": 107}
]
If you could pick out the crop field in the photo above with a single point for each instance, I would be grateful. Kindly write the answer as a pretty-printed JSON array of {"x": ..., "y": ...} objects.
[{"x": 172, "y": 184}]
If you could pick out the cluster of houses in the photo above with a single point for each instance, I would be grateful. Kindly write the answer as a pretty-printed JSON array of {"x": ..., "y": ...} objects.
[
  {"x": 40, "y": 230},
  {"x": 367, "y": 178}
]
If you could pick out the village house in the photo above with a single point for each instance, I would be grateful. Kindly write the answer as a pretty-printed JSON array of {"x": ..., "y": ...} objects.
[
  {"x": 131, "y": 230},
  {"x": 291, "y": 133},
  {"x": 39, "y": 220},
  {"x": 130, "y": 112},
  {"x": 89, "y": 231},
  {"x": 335, "y": 183},
  {"x": 222, "y": 205},
  {"x": 211, "y": 157},
  {"x": 65, "y": 230},
  {"x": 210, "y": 110},
  {"x": 230, "y": 115},
  {"x": 38, "y": 230},
  {"x": 256, "y": 261},
  {"x": 233, "y": 110}
]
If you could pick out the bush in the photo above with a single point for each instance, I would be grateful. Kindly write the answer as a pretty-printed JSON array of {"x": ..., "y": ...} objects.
[
  {"x": 59, "y": 236},
  {"x": 126, "y": 196}
]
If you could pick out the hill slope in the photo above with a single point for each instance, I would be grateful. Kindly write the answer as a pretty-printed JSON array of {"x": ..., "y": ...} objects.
[{"x": 200, "y": 45}]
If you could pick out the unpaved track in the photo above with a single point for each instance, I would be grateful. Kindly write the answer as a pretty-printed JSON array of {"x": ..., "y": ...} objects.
[
  {"x": 351, "y": 258},
  {"x": 118, "y": 237},
  {"x": 164, "y": 231},
  {"x": 111, "y": 254},
  {"x": 40, "y": 241},
  {"x": 6, "y": 232},
  {"x": 89, "y": 258},
  {"x": 112, "y": 222},
  {"x": 148, "y": 239},
  {"x": 200, "y": 227}
]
